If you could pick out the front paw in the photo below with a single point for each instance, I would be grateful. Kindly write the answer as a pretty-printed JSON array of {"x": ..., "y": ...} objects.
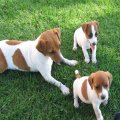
[
  {"x": 74, "y": 48},
  {"x": 73, "y": 62},
  {"x": 105, "y": 103},
  {"x": 94, "y": 60},
  {"x": 65, "y": 90},
  {"x": 100, "y": 118},
  {"x": 76, "y": 104},
  {"x": 87, "y": 60}
]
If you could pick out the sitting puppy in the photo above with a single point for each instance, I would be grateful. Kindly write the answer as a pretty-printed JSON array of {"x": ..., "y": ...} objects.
[
  {"x": 86, "y": 38},
  {"x": 92, "y": 89},
  {"x": 35, "y": 56}
]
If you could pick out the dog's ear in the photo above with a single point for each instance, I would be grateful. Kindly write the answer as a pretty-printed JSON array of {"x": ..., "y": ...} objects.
[
  {"x": 41, "y": 46},
  {"x": 57, "y": 31},
  {"x": 90, "y": 80},
  {"x": 109, "y": 77},
  {"x": 84, "y": 27},
  {"x": 97, "y": 23}
]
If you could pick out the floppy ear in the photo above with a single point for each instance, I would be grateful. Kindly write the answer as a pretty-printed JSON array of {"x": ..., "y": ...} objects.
[
  {"x": 97, "y": 23},
  {"x": 90, "y": 80},
  {"x": 84, "y": 26},
  {"x": 109, "y": 77},
  {"x": 41, "y": 46},
  {"x": 57, "y": 31}
]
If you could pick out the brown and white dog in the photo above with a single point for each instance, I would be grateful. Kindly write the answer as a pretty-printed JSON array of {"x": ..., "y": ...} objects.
[
  {"x": 35, "y": 56},
  {"x": 86, "y": 38},
  {"x": 92, "y": 89}
]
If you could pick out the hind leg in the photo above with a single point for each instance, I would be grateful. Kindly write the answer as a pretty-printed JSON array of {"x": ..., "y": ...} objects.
[
  {"x": 3, "y": 63},
  {"x": 76, "y": 104}
]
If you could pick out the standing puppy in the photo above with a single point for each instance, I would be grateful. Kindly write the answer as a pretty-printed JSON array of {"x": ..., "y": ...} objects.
[
  {"x": 93, "y": 90},
  {"x": 86, "y": 38},
  {"x": 37, "y": 55}
]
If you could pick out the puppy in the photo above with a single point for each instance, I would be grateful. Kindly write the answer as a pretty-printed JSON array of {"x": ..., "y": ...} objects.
[
  {"x": 86, "y": 38},
  {"x": 92, "y": 89},
  {"x": 37, "y": 55}
]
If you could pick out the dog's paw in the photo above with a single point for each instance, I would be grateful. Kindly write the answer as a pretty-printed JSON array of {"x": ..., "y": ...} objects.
[
  {"x": 76, "y": 104},
  {"x": 74, "y": 48},
  {"x": 100, "y": 118},
  {"x": 73, "y": 62},
  {"x": 105, "y": 103},
  {"x": 65, "y": 90},
  {"x": 94, "y": 60},
  {"x": 87, "y": 60}
]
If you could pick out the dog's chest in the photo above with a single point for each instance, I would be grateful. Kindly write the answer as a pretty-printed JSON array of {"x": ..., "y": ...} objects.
[
  {"x": 81, "y": 39},
  {"x": 87, "y": 45},
  {"x": 84, "y": 43}
]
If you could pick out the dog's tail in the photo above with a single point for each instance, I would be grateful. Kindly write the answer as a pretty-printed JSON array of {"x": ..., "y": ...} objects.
[{"x": 77, "y": 74}]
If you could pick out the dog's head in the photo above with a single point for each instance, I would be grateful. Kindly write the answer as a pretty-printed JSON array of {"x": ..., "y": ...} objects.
[
  {"x": 91, "y": 32},
  {"x": 49, "y": 44},
  {"x": 100, "y": 82}
]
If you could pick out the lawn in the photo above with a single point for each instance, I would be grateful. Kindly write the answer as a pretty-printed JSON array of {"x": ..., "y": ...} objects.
[{"x": 26, "y": 96}]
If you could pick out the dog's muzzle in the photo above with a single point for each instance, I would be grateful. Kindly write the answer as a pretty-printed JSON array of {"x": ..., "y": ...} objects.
[
  {"x": 93, "y": 44},
  {"x": 103, "y": 97}
]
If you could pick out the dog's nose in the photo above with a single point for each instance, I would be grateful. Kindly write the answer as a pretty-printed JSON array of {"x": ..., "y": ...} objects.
[
  {"x": 103, "y": 97},
  {"x": 94, "y": 44}
]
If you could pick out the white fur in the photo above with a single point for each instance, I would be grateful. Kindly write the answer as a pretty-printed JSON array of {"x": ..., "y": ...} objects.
[
  {"x": 92, "y": 96},
  {"x": 81, "y": 40},
  {"x": 76, "y": 72},
  {"x": 35, "y": 60}
]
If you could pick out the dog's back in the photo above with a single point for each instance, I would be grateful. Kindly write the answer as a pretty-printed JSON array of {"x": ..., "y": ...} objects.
[{"x": 15, "y": 54}]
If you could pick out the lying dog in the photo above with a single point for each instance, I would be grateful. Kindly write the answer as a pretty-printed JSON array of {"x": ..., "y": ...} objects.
[
  {"x": 92, "y": 89},
  {"x": 86, "y": 38},
  {"x": 35, "y": 55}
]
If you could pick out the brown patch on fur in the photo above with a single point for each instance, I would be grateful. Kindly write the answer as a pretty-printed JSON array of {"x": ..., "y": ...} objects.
[
  {"x": 109, "y": 77},
  {"x": 84, "y": 89},
  {"x": 13, "y": 42},
  {"x": 49, "y": 44},
  {"x": 3, "y": 63},
  {"x": 87, "y": 27},
  {"x": 19, "y": 60},
  {"x": 98, "y": 80},
  {"x": 96, "y": 25}
]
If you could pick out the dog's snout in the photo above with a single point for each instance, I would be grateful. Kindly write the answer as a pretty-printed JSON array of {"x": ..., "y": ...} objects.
[
  {"x": 103, "y": 97},
  {"x": 94, "y": 44}
]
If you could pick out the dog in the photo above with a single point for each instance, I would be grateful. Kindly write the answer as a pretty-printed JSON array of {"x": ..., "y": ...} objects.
[
  {"x": 86, "y": 38},
  {"x": 35, "y": 56},
  {"x": 92, "y": 89}
]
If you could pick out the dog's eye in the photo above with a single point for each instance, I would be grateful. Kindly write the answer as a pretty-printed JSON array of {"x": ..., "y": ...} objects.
[
  {"x": 90, "y": 35},
  {"x": 97, "y": 87},
  {"x": 96, "y": 34}
]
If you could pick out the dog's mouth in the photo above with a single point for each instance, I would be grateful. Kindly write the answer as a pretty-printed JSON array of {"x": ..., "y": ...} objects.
[{"x": 92, "y": 46}]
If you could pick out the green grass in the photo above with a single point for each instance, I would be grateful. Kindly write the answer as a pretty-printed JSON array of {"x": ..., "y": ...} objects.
[{"x": 26, "y": 96}]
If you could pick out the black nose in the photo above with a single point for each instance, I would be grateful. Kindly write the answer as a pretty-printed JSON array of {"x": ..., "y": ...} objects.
[
  {"x": 94, "y": 44},
  {"x": 103, "y": 97}
]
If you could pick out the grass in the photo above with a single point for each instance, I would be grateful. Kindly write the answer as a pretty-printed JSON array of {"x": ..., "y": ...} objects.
[{"x": 26, "y": 96}]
